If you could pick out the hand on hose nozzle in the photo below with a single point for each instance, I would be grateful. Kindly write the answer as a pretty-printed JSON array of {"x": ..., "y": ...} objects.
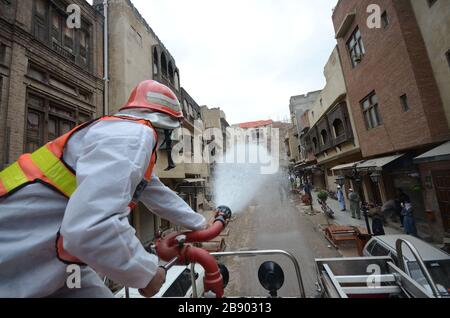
[{"x": 155, "y": 285}]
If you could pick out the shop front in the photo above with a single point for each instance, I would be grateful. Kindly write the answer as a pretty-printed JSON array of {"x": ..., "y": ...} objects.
[{"x": 434, "y": 167}]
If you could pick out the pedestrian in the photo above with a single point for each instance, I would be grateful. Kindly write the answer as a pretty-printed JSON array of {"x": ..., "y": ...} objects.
[
  {"x": 377, "y": 220},
  {"x": 69, "y": 202},
  {"x": 392, "y": 210},
  {"x": 341, "y": 199},
  {"x": 402, "y": 198},
  {"x": 298, "y": 182},
  {"x": 408, "y": 219},
  {"x": 355, "y": 204}
]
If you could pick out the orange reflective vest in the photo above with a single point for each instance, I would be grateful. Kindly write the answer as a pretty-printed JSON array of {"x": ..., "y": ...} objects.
[{"x": 46, "y": 166}]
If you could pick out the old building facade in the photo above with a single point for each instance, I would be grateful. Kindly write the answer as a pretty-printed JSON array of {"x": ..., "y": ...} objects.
[
  {"x": 51, "y": 73},
  {"x": 331, "y": 136},
  {"x": 394, "y": 95}
]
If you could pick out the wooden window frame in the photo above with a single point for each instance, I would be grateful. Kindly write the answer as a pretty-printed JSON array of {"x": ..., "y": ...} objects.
[
  {"x": 47, "y": 114},
  {"x": 368, "y": 111},
  {"x": 358, "y": 44}
]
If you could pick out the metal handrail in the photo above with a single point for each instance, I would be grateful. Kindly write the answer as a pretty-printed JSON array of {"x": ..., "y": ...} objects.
[
  {"x": 420, "y": 262},
  {"x": 269, "y": 252}
]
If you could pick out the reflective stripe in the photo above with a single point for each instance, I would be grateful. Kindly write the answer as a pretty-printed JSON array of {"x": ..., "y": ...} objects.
[
  {"x": 55, "y": 170},
  {"x": 3, "y": 190},
  {"x": 163, "y": 100},
  {"x": 13, "y": 177}
]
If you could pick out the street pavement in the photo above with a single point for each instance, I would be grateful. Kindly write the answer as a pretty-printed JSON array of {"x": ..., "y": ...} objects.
[
  {"x": 275, "y": 222},
  {"x": 345, "y": 218}
]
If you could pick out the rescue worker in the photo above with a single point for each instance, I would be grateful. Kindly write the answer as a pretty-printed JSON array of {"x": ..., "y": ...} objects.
[{"x": 69, "y": 202}]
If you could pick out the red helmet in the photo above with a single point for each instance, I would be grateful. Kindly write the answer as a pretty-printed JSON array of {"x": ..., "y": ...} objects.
[{"x": 155, "y": 96}]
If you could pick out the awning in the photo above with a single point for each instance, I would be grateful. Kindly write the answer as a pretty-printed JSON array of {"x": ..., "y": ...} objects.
[
  {"x": 304, "y": 165},
  {"x": 194, "y": 180},
  {"x": 346, "y": 166},
  {"x": 441, "y": 153},
  {"x": 378, "y": 163}
]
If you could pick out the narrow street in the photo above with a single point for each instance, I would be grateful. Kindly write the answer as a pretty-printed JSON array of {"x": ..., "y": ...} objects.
[{"x": 275, "y": 223}]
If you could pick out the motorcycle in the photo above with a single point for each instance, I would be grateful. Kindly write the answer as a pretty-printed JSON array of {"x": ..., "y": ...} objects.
[{"x": 326, "y": 209}]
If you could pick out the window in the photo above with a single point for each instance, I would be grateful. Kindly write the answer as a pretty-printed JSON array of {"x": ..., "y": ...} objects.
[
  {"x": 164, "y": 64},
  {"x": 355, "y": 47},
  {"x": 47, "y": 120},
  {"x": 56, "y": 27},
  {"x": 338, "y": 127},
  {"x": 316, "y": 146},
  {"x": 35, "y": 125},
  {"x": 50, "y": 27},
  {"x": 379, "y": 250},
  {"x": 385, "y": 19},
  {"x": 155, "y": 62},
  {"x": 171, "y": 74},
  {"x": 404, "y": 102},
  {"x": 2, "y": 53},
  {"x": 371, "y": 112},
  {"x": 324, "y": 135},
  {"x": 40, "y": 19},
  {"x": 84, "y": 47},
  {"x": 68, "y": 38},
  {"x": 431, "y": 2}
]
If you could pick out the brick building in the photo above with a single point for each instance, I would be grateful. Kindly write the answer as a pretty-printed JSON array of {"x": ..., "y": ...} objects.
[
  {"x": 50, "y": 74},
  {"x": 394, "y": 97}
]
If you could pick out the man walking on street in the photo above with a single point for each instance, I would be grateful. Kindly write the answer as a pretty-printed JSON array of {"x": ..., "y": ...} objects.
[
  {"x": 341, "y": 199},
  {"x": 355, "y": 204}
]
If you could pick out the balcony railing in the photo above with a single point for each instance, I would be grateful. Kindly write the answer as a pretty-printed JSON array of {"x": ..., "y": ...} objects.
[{"x": 63, "y": 51}]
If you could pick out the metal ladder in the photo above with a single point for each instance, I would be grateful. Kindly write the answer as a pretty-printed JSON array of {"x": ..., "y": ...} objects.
[{"x": 393, "y": 283}]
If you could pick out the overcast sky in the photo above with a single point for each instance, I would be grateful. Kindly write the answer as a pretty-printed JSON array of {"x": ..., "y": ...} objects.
[{"x": 245, "y": 56}]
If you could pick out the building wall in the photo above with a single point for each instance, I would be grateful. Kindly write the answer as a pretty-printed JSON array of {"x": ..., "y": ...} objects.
[
  {"x": 211, "y": 117},
  {"x": 434, "y": 24},
  {"x": 299, "y": 105},
  {"x": 429, "y": 194},
  {"x": 283, "y": 129},
  {"x": 294, "y": 145},
  {"x": 395, "y": 63},
  {"x": 31, "y": 65},
  {"x": 334, "y": 88},
  {"x": 130, "y": 52}
]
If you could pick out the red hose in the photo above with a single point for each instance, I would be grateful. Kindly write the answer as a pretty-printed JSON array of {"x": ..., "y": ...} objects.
[
  {"x": 168, "y": 248},
  {"x": 213, "y": 280}
]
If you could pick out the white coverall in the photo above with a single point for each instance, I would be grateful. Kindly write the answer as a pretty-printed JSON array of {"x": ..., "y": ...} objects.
[{"x": 110, "y": 159}]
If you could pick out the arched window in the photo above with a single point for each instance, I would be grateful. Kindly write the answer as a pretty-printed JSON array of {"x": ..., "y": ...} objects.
[
  {"x": 164, "y": 64},
  {"x": 316, "y": 146},
  {"x": 339, "y": 129},
  {"x": 324, "y": 135},
  {"x": 186, "y": 108},
  {"x": 177, "y": 80},
  {"x": 155, "y": 62},
  {"x": 171, "y": 73}
]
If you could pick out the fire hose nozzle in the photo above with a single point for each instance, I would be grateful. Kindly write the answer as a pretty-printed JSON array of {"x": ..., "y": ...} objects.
[{"x": 224, "y": 213}]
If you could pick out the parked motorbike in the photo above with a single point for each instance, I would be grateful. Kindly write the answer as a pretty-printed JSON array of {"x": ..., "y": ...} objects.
[{"x": 326, "y": 209}]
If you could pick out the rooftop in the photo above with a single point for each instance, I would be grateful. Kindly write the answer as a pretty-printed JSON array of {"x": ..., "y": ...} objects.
[{"x": 256, "y": 124}]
